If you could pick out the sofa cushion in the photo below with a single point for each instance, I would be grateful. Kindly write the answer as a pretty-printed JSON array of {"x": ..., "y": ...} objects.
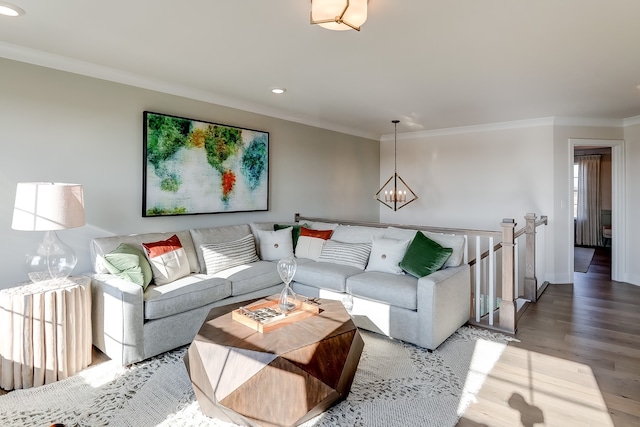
[
  {"x": 352, "y": 254},
  {"x": 204, "y": 236},
  {"x": 453, "y": 241},
  {"x": 251, "y": 277},
  {"x": 187, "y": 293},
  {"x": 386, "y": 255},
  {"x": 129, "y": 263},
  {"x": 324, "y": 275},
  {"x": 275, "y": 245},
  {"x": 356, "y": 233},
  {"x": 103, "y": 245},
  {"x": 399, "y": 291},
  {"x": 221, "y": 256},
  {"x": 168, "y": 260},
  {"x": 424, "y": 256}
]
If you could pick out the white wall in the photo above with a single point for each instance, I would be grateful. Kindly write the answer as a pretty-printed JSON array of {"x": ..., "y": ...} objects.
[
  {"x": 632, "y": 232},
  {"x": 474, "y": 179},
  {"x": 57, "y": 126}
]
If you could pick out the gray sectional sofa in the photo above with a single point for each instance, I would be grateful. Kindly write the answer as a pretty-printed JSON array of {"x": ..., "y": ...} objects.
[{"x": 132, "y": 323}]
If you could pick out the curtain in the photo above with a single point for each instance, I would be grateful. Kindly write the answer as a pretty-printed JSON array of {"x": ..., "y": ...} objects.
[{"x": 588, "y": 224}]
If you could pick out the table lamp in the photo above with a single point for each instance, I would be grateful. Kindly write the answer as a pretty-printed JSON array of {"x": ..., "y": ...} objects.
[{"x": 48, "y": 207}]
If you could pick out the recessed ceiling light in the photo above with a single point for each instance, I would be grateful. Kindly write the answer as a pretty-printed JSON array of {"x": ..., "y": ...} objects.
[
  {"x": 9, "y": 9},
  {"x": 278, "y": 90}
]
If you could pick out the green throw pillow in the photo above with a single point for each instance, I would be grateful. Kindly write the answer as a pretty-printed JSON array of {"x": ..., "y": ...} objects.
[
  {"x": 424, "y": 256},
  {"x": 295, "y": 233},
  {"x": 129, "y": 263}
]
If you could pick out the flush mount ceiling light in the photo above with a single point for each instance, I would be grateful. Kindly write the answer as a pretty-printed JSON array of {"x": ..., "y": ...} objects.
[
  {"x": 9, "y": 9},
  {"x": 339, "y": 15},
  {"x": 278, "y": 90},
  {"x": 395, "y": 189}
]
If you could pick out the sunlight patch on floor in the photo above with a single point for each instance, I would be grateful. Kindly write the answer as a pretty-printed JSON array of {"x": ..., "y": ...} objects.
[
  {"x": 485, "y": 356},
  {"x": 529, "y": 388}
]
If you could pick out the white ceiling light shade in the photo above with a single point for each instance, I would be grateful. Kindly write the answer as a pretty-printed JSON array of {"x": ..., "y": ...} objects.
[
  {"x": 9, "y": 9},
  {"x": 278, "y": 90},
  {"x": 339, "y": 15}
]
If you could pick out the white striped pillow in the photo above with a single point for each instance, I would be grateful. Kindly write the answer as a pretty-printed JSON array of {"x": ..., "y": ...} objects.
[
  {"x": 220, "y": 256},
  {"x": 354, "y": 254}
]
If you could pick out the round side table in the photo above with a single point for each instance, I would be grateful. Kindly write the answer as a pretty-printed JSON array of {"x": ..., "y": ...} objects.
[{"x": 46, "y": 332}]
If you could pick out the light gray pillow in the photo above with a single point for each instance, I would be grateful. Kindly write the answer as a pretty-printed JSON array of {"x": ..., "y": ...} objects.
[
  {"x": 354, "y": 254},
  {"x": 221, "y": 256},
  {"x": 309, "y": 247},
  {"x": 355, "y": 233},
  {"x": 275, "y": 245},
  {"x": 386, "y": 255}
]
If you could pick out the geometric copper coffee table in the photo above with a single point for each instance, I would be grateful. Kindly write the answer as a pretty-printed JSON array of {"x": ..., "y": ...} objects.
[{"x": 280, "y": 378}]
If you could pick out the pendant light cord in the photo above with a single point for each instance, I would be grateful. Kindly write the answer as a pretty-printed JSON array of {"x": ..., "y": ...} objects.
[{"x": 395, "y": 145}]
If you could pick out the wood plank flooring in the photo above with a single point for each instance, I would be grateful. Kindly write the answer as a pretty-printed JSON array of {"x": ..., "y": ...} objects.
[{"x": 576, "y": 362}]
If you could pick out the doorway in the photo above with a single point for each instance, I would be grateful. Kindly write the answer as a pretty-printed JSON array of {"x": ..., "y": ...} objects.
[{"x": 617, "y": 201}]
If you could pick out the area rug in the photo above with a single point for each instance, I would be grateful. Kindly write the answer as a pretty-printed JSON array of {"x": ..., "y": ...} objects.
[
  {"x": 582, "y": 259},
  {"x": 396, "y": 384}
]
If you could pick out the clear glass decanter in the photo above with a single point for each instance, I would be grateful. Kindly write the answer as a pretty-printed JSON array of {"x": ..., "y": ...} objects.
[{"x": 287, "y": 269}]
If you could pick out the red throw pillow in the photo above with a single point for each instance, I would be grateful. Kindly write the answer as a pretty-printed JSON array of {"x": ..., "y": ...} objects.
[{"x": 320, "y": 234}]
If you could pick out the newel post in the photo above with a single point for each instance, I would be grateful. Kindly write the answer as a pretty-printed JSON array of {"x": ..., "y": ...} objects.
[
  {"x": 530, "y": 280},
  {"x": 508, "y": 303}
]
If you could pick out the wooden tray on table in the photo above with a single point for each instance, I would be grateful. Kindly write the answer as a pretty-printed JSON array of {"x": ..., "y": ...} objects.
[{"x": 266, "y": 316}]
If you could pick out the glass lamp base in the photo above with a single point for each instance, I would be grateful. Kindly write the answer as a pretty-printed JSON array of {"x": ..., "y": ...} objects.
[{"x": 53, "y": 260}]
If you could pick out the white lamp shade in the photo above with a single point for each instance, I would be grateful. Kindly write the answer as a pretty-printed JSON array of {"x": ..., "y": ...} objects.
[
  {"x": 355, "y": 15},
  {"x": 45, "y": 206}
]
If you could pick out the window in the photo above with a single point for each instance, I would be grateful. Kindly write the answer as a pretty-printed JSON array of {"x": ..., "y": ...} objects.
[{"x": 575, "y": 190}]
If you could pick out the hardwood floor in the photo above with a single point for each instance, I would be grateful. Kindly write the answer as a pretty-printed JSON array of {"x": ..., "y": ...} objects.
[{"x": 576, "y": 361}]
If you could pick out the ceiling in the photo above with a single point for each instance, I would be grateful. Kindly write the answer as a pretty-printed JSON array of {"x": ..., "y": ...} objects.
[{"x": 431, "y": 64}]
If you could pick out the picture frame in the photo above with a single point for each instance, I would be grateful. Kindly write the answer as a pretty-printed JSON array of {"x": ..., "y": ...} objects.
[{"x": 193, "y": 167}]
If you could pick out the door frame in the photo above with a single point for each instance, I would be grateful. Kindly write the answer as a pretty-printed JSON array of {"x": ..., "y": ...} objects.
[{"x": 618, "y": 204}]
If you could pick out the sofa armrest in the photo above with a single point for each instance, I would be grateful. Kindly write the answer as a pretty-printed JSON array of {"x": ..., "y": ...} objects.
[
  {"x": 117, "y": 318},
  {"x": 443, "y": 304}
]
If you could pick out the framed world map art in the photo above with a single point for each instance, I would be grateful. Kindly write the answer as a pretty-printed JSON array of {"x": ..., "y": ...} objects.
[{"x": 196, "y": 167}]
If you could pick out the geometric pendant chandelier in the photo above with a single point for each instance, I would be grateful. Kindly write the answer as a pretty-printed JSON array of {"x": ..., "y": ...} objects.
[
  {"x": 395, "y": 193},
  {"x": 339, "y": 15}
]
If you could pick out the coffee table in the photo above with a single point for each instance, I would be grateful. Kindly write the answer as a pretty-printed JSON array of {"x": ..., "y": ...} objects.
[{"x": 280, "y": 378}]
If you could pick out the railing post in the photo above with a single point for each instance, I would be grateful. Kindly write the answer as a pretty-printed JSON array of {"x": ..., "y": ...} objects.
[
  {"x": 530, "y": 280},
  {"x": 508, "y": 303}
]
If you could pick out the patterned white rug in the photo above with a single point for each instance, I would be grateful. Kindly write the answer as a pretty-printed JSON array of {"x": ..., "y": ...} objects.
[{"x": 396, "y": 384}]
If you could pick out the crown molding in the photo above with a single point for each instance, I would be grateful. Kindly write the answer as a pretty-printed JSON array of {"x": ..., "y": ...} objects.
[
  {"x": 488, "y": 127},
  {"x": 518, "y": 124},
  {"x": 88, "y": 69},
  {"x": 631, "y": 121},
  {"x": 588, "y": 122}
]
